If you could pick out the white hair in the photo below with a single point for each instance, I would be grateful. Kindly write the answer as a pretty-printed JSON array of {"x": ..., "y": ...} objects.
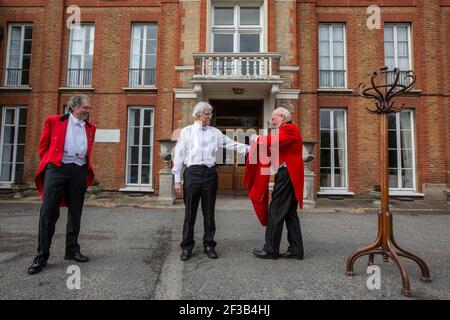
[
  {"x": 200, "y": 109},
  {"x": 284, "y": 112}
]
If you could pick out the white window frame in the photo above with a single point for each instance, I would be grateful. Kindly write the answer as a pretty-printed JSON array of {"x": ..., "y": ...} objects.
[
  {"x": 334, "y": 188},
  {"x": 8, "y": 50},
  {"x": 144, "y": 52},
  {"x": 152, "y": 126},
  {"x": 330, "y": 43},
  {"x": 82, "y": 62},
  {"x": 15, "y": 144},
  {"x": 399, "y": 152},
  {"x": 395, "y": 25},
  {"x": 236, "y": 29}
]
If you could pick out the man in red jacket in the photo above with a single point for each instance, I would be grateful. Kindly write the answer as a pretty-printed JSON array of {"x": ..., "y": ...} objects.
[
  {"x": 286, "y": 157},
  {"x": 64, "y": 173}
]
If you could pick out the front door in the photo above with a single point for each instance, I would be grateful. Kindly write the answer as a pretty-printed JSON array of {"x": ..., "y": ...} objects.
[{"x": 239, "y": 117}]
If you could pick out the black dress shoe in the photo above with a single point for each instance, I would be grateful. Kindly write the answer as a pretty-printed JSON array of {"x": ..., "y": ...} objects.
[
  {"x": 185, "y": 255},
  {"x": 78, "y": 257},
  {"x": 210, "y": 252},
  {"x": 37, "y": 267},
  {"x": 261, "y": 254},
  {"x": 290, "y": 255}
]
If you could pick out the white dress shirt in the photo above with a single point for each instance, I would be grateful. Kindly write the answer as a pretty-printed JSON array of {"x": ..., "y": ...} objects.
[
  {"x": 75, "y": 147},
  {"x": 198, "y": 145}
]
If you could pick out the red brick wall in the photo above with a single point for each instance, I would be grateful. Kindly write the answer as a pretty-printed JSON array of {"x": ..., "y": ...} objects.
[{"x": 365, "y": 52}]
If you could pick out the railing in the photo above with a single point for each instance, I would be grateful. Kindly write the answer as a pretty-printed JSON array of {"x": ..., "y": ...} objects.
[
  {"x": 332, "y": 79},
  {"x": 17, "y": 77},
  {"x": 79, "y": 77},
  {"x": 236, "y": 65},
  {"x": 401, "y": 79},
  {"x": 141, "y": 78}
]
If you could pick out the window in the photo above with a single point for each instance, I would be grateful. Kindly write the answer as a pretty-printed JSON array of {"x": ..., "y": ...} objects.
[
  {"x": 397, "y": 50},
  {"x": 401, "y": 151},
  {"x": 81, "y": 56},
  {"x": 333, "y": 149},
  {"x": 237, "y": 28},
  {"x": 18, "y": 55},
  {"x": 332, "y": 61},
  {"x": 140, "y": 146},
  {"x": 143, "y": 55},
  {"x": 12, "y": 143}
]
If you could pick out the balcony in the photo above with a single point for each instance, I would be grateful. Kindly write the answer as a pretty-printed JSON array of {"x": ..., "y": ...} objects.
[
  {"x": 236, "y": 66},
  {"x": 79, "y": 78},
  {"x": 17, "y": 77},
  {"x": 141, "y": 78}
]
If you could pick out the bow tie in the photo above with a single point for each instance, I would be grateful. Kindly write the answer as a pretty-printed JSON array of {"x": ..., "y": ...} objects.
[{"x": 80, "y": 123}]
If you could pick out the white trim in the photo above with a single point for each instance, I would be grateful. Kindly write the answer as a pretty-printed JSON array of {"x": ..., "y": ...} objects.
[
  {"x": 185, "y": 93},
  {"x": 399, "y": 155},
  {"x": 405, "y": 193},
  {"x": 82, "y": 62},
  {"x": 144, "y": 52},
  {"x": 150, "y": 88},
  {"x": 15, "y": 143},
  {"x": 141, "y": 127},
  {"x": 8, "y": 50},
  {"x": 288, "y": 94},
  {"x": 236, "y": 29},
  {"x": 289, "y": 68},
  {"x": 184, "y": 68},
  {"x": 76, "y": 88},
  {"x": 21, "y": 88},
  {"x": 336, "y": 90},
  {"x": 332, "y": 148},
  {"x": 137, "y": 189},
  {"x": 395, "y": 40},
  {"x": 329, "y": 192},
  {"x": 331, "y": 51}
]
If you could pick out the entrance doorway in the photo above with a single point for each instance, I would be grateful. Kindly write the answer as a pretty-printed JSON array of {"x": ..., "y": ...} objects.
[{"x": 240, "y": 116}]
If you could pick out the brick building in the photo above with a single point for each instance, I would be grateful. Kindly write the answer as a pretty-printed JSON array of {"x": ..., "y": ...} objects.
[{"x": 145, "y": 63}]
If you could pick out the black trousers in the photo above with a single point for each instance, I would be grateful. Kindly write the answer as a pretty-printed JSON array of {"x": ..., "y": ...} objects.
[
  {"x": 200, "y": 182},
  {"x": 283, "y": 207},
  {"x": 68, "y": 180}
]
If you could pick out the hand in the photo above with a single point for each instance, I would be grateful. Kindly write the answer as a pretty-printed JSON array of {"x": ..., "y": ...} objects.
[{"x": 178, "y": 187}]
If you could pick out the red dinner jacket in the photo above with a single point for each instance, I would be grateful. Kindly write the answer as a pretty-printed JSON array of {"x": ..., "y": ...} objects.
[
  {"x": 290, "y": 144},
  {"x": 51, "y": 148}
]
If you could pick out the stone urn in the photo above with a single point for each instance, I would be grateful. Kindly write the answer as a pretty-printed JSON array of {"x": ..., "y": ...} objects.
[
  {"x": 308, "y": 188},
  {"x": 94, "y": 189},
  {"x": 166, "y": 185},
  {"x": 447, "y": 194},
  {"x": 18, "y": 187}
]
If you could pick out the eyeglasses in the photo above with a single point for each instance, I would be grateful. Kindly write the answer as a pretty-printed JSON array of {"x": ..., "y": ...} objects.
[{"x": 209, "y": 115}]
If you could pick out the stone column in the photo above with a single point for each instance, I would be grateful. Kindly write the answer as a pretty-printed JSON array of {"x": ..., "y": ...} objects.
[
  {"x": 166, "y": 184},
  {"x": 308, "y": 188}
]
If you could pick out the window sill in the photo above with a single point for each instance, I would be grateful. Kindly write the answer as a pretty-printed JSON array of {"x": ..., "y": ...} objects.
[
  {"x": 405, "y": 193},
  {"x": 153, "y": 88},
  {"x": 16, "y": 88},
  {"x": 137, "y": 189},
  {"x": 335, "y": 192},
  {"x": 76, "y": 89},
  {"x": 336, "y": 90},
  {"x": 5, "y": 186}
]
